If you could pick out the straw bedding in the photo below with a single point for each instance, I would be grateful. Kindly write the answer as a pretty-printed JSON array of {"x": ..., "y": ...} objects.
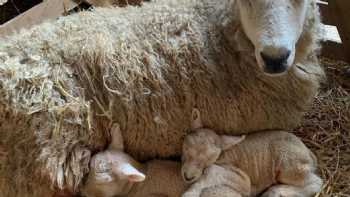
[
  {"x": 326, "y": 129},
  {"x": 63, "y": 83}
]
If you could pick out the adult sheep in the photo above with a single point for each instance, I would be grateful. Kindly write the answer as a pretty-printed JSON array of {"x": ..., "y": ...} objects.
[{"x": 64, "y": 82}]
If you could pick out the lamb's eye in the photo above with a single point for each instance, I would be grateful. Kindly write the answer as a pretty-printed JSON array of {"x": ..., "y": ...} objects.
[
  {"x": 102, "y": 167},
  {"x": 213, "y": 155},
  {"x": 247, "y": 3}
]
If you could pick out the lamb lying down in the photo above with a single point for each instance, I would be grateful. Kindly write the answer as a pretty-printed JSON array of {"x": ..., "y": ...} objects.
[
  {"x": 115, "y": 173},
  {"x": 274, "y": 163}
]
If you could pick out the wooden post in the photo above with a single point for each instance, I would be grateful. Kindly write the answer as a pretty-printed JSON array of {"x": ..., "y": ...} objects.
[
  {"x": 340, "y": 10},
  {"x": 46, "y": 10}
]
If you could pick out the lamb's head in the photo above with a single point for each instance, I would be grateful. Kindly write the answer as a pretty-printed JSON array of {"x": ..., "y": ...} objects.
[
  {"x": 274, "y": 27},
  {"x": 112, "y": 172},
  {"x": 201, "y": 149}
]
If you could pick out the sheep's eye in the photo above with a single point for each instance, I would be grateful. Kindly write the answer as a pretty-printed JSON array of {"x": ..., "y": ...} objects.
[{"x": 298, "y": 3}]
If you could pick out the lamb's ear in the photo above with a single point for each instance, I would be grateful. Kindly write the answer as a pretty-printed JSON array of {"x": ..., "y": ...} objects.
[
  {"x": 196, "y": 119},
  {"x": 228, "y": 141},
  {"x": 117, "y": 138},
  {"x": 131, "y": 173},
  {"x": 103, "y": 177}
]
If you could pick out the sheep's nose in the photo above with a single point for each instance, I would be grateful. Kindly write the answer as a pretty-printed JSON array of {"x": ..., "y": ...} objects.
[{"x": 276, "y": 63}]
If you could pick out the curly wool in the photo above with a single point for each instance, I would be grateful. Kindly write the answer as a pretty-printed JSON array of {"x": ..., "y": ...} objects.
[{"x": 64, "y": 82}]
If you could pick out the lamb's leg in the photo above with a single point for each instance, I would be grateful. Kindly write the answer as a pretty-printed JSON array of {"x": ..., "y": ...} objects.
[
  {"x": 219, "y": 176},
  {"x": 209, "y": 178},
  {"x": 292, "y": 188},
  {"x": 220, "y": 191}
]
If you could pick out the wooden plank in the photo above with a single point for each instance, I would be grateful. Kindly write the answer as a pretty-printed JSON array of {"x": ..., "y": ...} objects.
[
  {"x": 327, "y": 17},
  {"x": 2, "y": 2},
  {"x": 331, "y": 33},
  {"x": 333, "y": 50},
  {"x": 332, "y": 44},
  {"x": 47, "y": 10},
  {"x": 340, "y": 10}
]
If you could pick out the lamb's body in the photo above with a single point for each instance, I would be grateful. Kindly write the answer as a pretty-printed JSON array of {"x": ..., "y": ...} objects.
[
  {"x": 263, "y": 155},
  {"x": 275, "y": 159},
  {"x": 63, "y": 82},
  {"x": 115, "y": 173},
  {"x": 163, "y": 179}
]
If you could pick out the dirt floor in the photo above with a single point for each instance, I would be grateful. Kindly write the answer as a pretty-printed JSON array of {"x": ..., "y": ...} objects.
[{"x": 325, "y": 128}]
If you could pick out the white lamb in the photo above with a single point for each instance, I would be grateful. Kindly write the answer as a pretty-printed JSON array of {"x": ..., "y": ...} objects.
[
  {"x": 276, "y": 162},
  {"x": 115, "y": 173}
]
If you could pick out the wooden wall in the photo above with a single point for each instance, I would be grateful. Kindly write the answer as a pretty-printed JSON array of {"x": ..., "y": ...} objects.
[
  {"x": 39, "y": 13},
  {"x": 337, "y": 13}
]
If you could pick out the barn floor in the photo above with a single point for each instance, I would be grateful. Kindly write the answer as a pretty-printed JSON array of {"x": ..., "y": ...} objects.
[{"x": 326, "y": 129}]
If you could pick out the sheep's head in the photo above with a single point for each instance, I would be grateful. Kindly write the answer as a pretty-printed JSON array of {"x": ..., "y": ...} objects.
[
  {"x": 274, "y": 28},
  {"x": 202, "y": 148},
  {"x": 112, "y": 171}
]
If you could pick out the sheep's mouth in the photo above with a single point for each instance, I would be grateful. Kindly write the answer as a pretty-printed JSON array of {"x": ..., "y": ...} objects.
[{"x": 301, "y": 69}]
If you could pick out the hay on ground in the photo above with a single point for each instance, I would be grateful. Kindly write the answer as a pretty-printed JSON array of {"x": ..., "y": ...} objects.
[{"x": 326, "y": 129}]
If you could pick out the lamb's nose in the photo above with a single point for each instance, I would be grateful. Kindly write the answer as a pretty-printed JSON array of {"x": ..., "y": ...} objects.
[
  {"x": 188, "y": 178},
  {"x": 276, "y": 63}
]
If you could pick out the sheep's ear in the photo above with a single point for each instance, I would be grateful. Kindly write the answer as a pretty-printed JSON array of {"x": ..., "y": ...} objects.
[
  {"x": 241, "y": 41},
  {"x": 229, "y": 141},
  {"x": 117, "y": 138},
  {"x": 196, "y": 119},
  {"x": 235, "y": 35},
  {"x": 131, "y": 173}
]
